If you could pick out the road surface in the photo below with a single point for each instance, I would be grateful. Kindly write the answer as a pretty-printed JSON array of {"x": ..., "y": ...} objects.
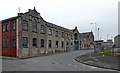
[{"x": 56, "y": 62}]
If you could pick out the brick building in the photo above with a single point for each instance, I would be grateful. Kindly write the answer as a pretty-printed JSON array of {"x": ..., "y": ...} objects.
[
  {"x": 28, "y": 35},
  {"x": 0, "y": 37}
]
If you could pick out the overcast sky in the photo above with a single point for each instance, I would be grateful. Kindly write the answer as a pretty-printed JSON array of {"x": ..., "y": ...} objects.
[{"x": 70, "y": 13}]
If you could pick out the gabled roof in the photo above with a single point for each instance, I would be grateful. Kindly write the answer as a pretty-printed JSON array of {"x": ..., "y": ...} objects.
[
  {"x": 86, "y": 33},
  {"x": 12, "y": 18},
  {"x": 58, "y": 27}
]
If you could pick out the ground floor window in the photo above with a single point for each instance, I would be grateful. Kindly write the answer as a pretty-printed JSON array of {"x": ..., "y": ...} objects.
[
  {"x": 67, "y": 45},
  {"x": 25, "y": 42},
  {"x": 3, "y": 42},
  {"x": 50, "y": 43},
  {"x": 71, "y": 45},
  {"x": 34, "y": 42},
  {"x": 7, "y": 42},
  {"x": 42, "y": 43},
  {"x": 13, "y": 43},
  {"x": 62, "y": 44},
  {"x": 56, "y": 44}
]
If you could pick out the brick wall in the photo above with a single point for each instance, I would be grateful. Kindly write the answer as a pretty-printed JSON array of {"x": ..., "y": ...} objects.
[{"x": 9, "y": 51}]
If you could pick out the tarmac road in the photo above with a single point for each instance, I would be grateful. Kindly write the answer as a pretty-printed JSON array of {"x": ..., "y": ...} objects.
[{"x": 57, "y": 62}]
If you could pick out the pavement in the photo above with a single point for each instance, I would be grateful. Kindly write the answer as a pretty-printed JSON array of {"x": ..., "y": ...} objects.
[{"x": 99, "y": 60}]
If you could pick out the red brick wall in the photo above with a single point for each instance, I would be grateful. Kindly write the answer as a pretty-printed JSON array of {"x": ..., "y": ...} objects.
[
  {"x": 0, "y": 38},
  {"x": 11, "y": 51}
]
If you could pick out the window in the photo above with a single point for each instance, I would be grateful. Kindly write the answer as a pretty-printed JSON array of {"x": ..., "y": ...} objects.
[
  {"x": 56, "y": 44},
  {"x": 7, "y": 42},
  {"x": 14, "y": 26},
  {"x": 50, "y": 43},
  {"x": 13, "y": 43},
  {"x": 25, "y": 25},
  {"x": 7, "y": 27},
  {"x": 67, "y": 45},
  {"x": 34, "y": 42},
  {"x": 34, "y": 26},
  {"x": 71, "y": 36},
  {"x": 3, "y": 43},
  {"x": 50, "y": 32},
  {"x": 71, "y": 45},
  {"x": 62, "y": 44},
  {"x": 67, "y": 35},
  {"x": 56, "y": 33},
  {"x": 42, "y": 43},
  {"x": 25, "y": 42},
  {"x": 42, "y": 29},
  {"x": 76, "y": 36},
  {"x": 3, "y": 28},
  {"x": 62, "y": 34}
]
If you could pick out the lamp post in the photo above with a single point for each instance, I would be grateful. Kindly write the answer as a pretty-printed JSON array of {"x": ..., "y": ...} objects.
[
  {"x": 95, "y": 34},
  {"x": 107, "y": 36},
  {"x": 95, "y": 29},
  {"x": 98, "y": 38}
]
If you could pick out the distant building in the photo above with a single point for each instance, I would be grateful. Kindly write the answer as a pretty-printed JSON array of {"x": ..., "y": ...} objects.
[
  {"x": 86, "y": 40},
  {"x": 28, "y": 35},
  {"x": 108, "y": 44},
  {"x": 98, "y": 45},
  {"x": 117, "y": 41}
]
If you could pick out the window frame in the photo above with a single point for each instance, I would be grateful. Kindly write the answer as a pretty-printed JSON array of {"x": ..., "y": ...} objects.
[
  {"x": 34, "y": 42},
  {"x": 56, "y": 44},
  {"x": 62, "y": 34},
  {"x": 3, "y": 28},
  {"x": 67, "y": 45},
  {"x": 3, "y": 42},
  {"x": 76, "y": 36},
  {"x": 34, "y": 25},
  {"x": 62, "y": 44},
  {"x": 7, "y": 27},
  {"x": 71, "y": 45},
  {"x": 13, "y": 42},
  {"x": 7, "y": 42},
  {"x": 50, "y": 31},
  {"x": 42, "y": 43},
  {"x": 25, "y": 25},
  {"x": 14, "y": 26},
  {"x": 50, "y": 43},
  {"x": 42, "y": 30},
  {"x": 56, "y": 33},
  {"x": 25, "y": 42}
]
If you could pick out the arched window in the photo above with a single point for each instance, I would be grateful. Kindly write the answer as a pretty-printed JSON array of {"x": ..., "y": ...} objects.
[
  {"x": 25, "y": 42},
  {"x": 76, "y": 36},
  {"x": 25, "y": 25},
  {"x": 42, "y": 43},
  {"x": 34, "y": 23},
  {"x": 42, "y": 29},
  {"x": 34, "y": 42}
]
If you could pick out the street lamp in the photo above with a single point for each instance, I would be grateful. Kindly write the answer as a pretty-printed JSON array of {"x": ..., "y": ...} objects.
[
  {"x": 95, "y": 33},
  {"x": 107, "y": 36},
  {"x": 95, "y": 28},
  {"x": 98, "y": 38}
]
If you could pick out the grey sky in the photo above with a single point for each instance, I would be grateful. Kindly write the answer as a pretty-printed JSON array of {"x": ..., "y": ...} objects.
[{"x": 70, "y": 13}]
